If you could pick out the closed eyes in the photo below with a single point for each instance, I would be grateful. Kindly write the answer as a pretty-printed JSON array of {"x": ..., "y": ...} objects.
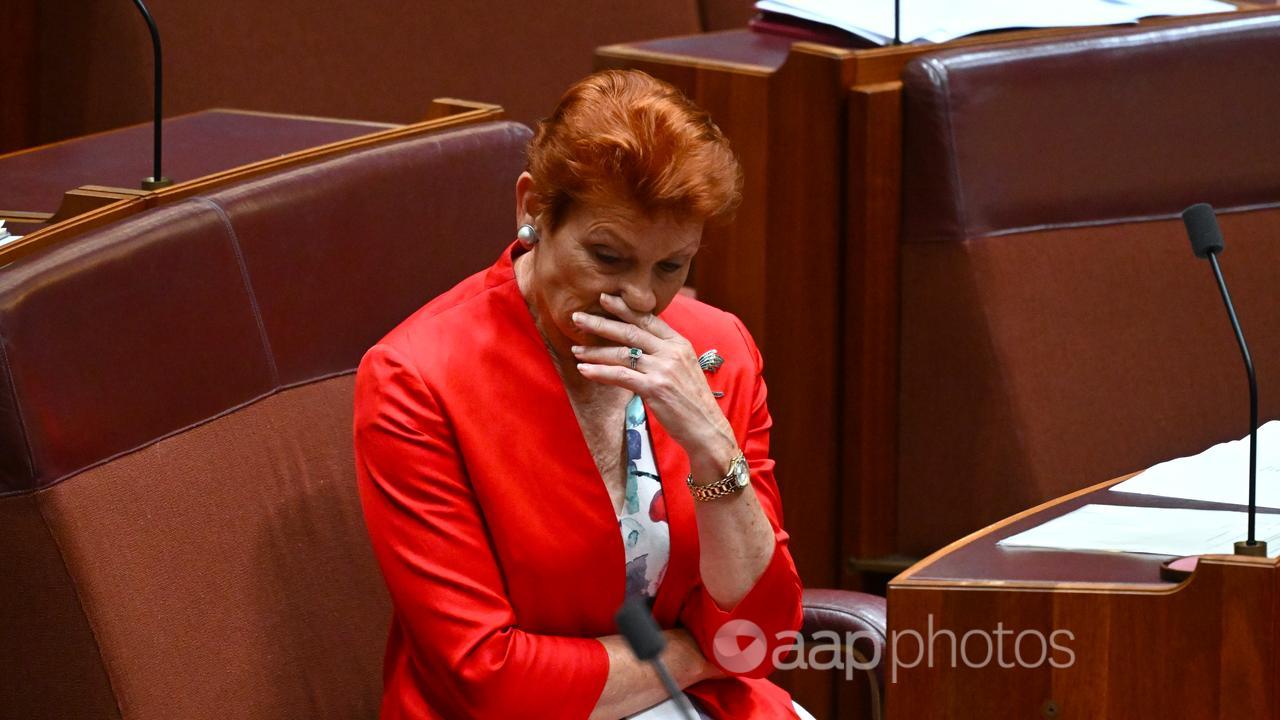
[{"x": 609, "y": 259}]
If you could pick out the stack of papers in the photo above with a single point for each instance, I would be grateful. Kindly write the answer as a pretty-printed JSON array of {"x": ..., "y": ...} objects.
[
  {"x": 1219, "y": 474},
  {"x": 1159, "y": 531},
  {"x": 5, "y": 237},
  {"x": 943, "y": 20}
]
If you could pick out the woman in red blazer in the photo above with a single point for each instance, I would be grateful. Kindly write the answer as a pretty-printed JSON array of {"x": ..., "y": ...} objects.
[{"x": 544, "y": 440}]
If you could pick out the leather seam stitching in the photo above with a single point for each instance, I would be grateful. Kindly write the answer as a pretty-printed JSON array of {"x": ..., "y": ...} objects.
[
  {"x": 1110, "y": 38},
  {"x": 939, "y": 238},
  {"x": 178, "y": 431},
  {"x": 248, "y": 287},
  {"x": 1256, "y": 207}
]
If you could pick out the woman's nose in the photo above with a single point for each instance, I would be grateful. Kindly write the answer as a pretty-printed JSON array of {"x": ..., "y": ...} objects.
[{"x": 638, "y": 296}]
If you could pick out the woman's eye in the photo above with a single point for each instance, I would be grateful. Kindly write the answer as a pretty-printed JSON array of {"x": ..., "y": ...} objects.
[
  {"x": 670, "y": 267},
  {"x": 608, "y": 259}
]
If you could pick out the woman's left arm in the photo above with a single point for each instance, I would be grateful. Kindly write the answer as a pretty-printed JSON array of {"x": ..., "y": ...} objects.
[
  {"x": 747, "y": 572},
  {"x": 737, "y": 538}
]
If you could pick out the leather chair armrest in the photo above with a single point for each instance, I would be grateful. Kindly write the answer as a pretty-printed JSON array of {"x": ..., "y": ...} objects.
[
  {"x": 846, "y": 612},
  {"x": 858, "y": 618}
]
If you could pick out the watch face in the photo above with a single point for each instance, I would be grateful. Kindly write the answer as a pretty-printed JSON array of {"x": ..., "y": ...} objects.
[{"x": 741, "y": 473}]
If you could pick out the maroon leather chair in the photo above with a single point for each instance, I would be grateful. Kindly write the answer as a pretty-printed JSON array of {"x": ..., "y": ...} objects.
[
  {"x": 182, "y": 534},
  {"x": 1056, "y": 329}
]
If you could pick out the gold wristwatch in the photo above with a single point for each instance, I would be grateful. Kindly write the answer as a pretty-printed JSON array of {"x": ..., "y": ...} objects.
[{"x": 738, "y": 477}]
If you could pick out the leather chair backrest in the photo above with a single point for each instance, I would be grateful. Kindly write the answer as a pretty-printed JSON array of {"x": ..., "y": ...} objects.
[
  {"x": 184, "y": 537},
  {"x": 1056, "y": 329}
]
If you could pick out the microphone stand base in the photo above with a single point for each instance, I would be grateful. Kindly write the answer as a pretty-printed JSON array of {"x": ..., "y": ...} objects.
[
  {"x": 1254, "y": 549},
  {"x": 150, "y": 183}
]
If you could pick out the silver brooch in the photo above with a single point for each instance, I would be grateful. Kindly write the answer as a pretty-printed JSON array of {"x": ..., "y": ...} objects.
[{"x": 710, "y": 361}]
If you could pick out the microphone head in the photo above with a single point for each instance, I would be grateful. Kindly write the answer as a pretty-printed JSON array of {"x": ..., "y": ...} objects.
[
  {"x": 1202, "y": 228},
  {"x": 640, "y": 629}
]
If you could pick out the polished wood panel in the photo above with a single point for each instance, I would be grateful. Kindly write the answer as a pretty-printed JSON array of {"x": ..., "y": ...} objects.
[
  {"x": 19, "y": 56},
  {"x": 870, "y": 350},
  {"x": 1127, "y": 643}
]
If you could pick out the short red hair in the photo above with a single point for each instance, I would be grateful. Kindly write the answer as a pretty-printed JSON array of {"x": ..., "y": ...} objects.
[{"x": 622, "y": 136}]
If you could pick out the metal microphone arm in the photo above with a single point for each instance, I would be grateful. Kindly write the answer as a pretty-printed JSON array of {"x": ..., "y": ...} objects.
[
  {"x": 1251, "y": 546},
  {"x": 157, "y": 180}
]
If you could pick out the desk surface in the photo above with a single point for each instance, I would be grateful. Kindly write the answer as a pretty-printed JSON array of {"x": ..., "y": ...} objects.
[
  {"x": 977, "y": 559},
  {"x": 195, "y": 145},
  {"x": 763, "y": 53},
  {"x": 756, "y": 51}
]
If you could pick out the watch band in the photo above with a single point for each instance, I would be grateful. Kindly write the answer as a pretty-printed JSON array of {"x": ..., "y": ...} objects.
[{"x": 724, "y": 487}]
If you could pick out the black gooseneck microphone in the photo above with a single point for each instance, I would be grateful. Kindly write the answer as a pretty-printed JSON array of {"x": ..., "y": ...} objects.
[
  {"x": 157, "y": 180},
  {"x": 897, "y": 22},
  {"x": 1206, "y": 242},
  {"x": 647, "y": 642}
]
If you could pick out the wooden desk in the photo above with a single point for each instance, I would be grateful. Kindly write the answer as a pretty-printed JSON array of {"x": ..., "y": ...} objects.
[
  {"x": 1204, "y": 648},
  {"x": 195, "y": 145},
  {"x": 94, "y": 177}
]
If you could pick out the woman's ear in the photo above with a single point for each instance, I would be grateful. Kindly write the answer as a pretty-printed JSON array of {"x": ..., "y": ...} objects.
[{"x": 525, "y": 192}]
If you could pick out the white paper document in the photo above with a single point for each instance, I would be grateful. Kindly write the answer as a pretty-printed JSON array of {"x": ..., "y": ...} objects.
[
  {"x": 5, "y": 237},
  {"x": 1157, "y": 531},
  {"x": 1219, "y": 474},
  {"x": 942, "y": 20}
]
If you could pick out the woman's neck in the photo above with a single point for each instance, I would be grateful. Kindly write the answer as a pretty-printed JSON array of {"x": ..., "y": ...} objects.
[{"x": 558, "y": 346}]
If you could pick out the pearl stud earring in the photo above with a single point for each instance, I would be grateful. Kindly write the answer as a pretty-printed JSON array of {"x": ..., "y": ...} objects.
[{"x": 527, "y": 234}]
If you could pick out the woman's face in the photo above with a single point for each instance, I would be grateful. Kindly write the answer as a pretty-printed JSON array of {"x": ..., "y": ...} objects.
[{"x": 616, "y": 250}]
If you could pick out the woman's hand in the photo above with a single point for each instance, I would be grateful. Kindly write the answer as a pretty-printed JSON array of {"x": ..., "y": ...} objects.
[
  {"x": 667, "y": 377},
  {"x": 737, "y": 539}
]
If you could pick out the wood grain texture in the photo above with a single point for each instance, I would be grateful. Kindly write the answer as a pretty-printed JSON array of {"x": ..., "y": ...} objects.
[
  {"x": 870, "y": 351},
  {"x": 1206, "y": 648},
  {"x": 804, "y": 284},
  {"x": 1203, "y": 648},
  {"x": 19, "y": 56}
]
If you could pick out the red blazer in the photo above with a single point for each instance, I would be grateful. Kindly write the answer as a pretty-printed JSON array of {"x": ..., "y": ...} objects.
[{"x": 495, "y": 533}]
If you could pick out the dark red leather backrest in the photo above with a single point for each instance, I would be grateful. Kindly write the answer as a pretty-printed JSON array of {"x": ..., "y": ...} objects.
[
  {"x": 1056, "y": 329},
  {"x": 177, "y": 479},
  {"x": 146, "y": 327},
  {"x": 1107, "y": 126}
]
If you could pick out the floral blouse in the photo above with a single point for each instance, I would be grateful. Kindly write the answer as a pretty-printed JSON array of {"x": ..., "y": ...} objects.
[{"x": 643, "y": 520}]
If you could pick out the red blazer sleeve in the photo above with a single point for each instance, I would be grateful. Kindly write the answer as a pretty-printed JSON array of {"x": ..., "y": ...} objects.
[
  {"x": 429, "y": 538},
  {"x": 773, "y": 603}
]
